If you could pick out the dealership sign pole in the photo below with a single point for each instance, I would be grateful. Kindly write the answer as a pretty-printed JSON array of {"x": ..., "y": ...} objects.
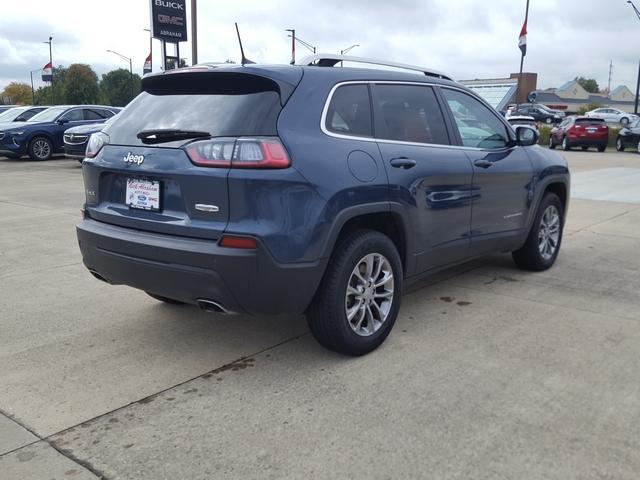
[{"x": 169, "y": 24}]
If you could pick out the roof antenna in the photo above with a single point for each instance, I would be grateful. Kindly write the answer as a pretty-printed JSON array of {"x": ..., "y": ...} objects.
[{"x": 244, "y": 60}]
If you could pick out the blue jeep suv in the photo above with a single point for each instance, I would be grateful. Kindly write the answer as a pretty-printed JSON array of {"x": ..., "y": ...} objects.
[
  {"x": 312, "y": 189},
  {"x": 42, "y": 135}
]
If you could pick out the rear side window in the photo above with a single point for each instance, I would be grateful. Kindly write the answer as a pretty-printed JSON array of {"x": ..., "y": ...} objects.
[
  {"x": 410, "y": 113},
  {"x": 478, "y": 126},
  {"x": 222, "y": 105},
  {"x": 93, "y": 114},
  {"x": 349, "y": 112}
]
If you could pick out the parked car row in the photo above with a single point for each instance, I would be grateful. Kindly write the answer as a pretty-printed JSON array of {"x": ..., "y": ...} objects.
[
  {"x": 42, "y": 135},
  {"x": 612, "y": 115}
]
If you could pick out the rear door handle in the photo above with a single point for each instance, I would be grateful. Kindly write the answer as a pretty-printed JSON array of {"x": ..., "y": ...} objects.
[
  {"x": 403, "y": 162},
  {"x": 483, "y": 163}
]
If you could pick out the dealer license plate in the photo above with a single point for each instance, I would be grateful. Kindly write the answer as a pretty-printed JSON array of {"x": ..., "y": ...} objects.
[{"x": 143, "y": 194}]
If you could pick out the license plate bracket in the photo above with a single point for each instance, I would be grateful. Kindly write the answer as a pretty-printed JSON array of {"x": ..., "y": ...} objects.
[{"x": 143, "y": 194}]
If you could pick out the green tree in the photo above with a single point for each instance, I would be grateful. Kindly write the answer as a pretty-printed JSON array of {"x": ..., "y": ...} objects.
[
  {"x": 587, "y": 108},
  {"x": 18, "y": 93},
  {"x": 80, "y": 85},
  {"x": 589, "y": 84},
  {"x": 119, "y": 87}
]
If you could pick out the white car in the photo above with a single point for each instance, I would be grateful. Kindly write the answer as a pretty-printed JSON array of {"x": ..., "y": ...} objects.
[
  {"x": 523, "y": 121},
  {"x": 612, "y": 115}
]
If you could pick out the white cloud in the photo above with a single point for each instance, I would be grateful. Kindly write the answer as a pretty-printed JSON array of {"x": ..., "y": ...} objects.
[{"x": 466, "y": 38}]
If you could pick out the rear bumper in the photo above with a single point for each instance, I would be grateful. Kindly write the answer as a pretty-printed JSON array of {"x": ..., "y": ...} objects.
[
  {"x": 189, "y": 270},
  {"x": 588, "y": 142}
]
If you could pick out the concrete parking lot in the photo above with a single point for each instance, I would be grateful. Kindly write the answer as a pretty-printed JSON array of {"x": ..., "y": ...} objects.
[{"x": 489, "y": 373}]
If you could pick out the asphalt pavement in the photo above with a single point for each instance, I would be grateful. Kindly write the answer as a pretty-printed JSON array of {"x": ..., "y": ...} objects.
[{"x": 489, "y": 373}]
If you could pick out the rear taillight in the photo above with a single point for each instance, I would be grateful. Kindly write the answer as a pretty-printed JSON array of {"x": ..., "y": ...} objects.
[
  {"x": 96, "y": 142},
  {"x": 255, "y": 152}
]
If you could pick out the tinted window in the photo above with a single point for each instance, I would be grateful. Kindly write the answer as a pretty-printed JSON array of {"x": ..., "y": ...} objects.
[
  {"x": 28, "y": 114},
  {"x": 410, "y": 113},
  {"x": 590, "y": 121},
  {"x": 478, "y": 126},
  {"x": 349, "y": 112},
  {"x": 219, "y": 114},
  {"x": 49, "y": 115},
  {"x": 72, "y": 115},
  {"x": 106, "y": 113},
  {"x": 90, "y": 114}
]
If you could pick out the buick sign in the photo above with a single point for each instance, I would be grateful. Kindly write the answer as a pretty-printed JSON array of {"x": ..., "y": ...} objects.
[{"x": 169, "y": 20}]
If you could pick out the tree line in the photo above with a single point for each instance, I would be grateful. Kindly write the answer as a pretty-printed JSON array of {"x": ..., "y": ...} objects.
[{"x": 78, "y": 84}]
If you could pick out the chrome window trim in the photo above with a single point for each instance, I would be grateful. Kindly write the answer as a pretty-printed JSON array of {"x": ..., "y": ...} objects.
[{"x": 325, "y": 110}]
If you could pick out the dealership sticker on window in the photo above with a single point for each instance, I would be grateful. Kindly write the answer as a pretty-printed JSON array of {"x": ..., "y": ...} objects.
[{"x": 143, "y": 194}]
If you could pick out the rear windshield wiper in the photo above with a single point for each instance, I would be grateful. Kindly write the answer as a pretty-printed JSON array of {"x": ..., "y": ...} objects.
[{"x": 162, "y": 135}]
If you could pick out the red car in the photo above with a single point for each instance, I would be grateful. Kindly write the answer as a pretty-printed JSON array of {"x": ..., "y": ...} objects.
[{"x": 582, "y": 132}]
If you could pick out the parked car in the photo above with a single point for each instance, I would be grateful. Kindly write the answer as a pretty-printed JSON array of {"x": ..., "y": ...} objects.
[
  {"x": 629, "y": 137},
  {"x": 264, "y": 190},
  {"x": 41, "y": 136},
  {"x": 76, "y": 140},
  {"x": 4, "y": 108},
  {"x": 522, "y": 121},
  {"x": 612, "y": 115},
  {"x": 581, "y": 132},
  {"x": 19, "y": 114},
  {"x": 539, "y": 113}
]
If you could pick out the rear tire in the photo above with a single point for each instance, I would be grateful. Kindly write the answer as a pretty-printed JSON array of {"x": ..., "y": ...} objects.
[
  {"x": 552, "y": 145},
  {"x": 602, "y": 149},
  {"x": 624, "y": 121},
  {"x": 619, "y": 145},
  {"x": 584, "y": 148},
  {"x": 565, "y": 144},
  {"x": 40, "y": 148},
  {"x": 359, "y": 297},
  {"x": 548, "y": 121},
  {"x": 170, "y": 301},
  {"x": 638, "y": 147},
  {"x": 543, "y": 243}
]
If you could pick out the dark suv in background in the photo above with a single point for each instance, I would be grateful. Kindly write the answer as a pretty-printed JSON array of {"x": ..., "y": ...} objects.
[
  {"x": 540, "y": 113},
  {"x": 42, "y": 135},
  {"x": 306, "y": 188}
]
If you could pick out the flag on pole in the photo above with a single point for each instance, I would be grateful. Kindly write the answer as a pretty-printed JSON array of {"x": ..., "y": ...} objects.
[
  {"x": 522, "y": 41},
  {"x": 147, "y": 65},
  {"x": 47, "y": 72}
]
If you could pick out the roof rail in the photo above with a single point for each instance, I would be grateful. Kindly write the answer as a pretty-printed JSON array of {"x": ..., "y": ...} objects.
[{"x": 330, "y": 60}]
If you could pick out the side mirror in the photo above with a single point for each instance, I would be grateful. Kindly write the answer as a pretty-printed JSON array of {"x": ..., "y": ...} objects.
[
  {"x": 62, "y": 121},
  {"x": 526, "y": 136}
]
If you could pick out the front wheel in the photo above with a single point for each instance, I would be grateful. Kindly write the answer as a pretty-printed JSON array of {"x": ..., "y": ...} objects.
[
  {"x": 619, "y": 145},
  {"x": 358, "y": 300},
  {"x": 548, "y": 121},
  {"x": 40, "y": 148},
  {"x": 543, "y": 243},
  {"x": 624, "y": 121}
]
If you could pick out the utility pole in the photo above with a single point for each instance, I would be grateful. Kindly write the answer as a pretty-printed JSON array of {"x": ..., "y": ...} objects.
[
  {"x": 293, "y": 44},
  {"x": 194, "y": 34},
  {"x": 610, "y": 73},
  {"x": 635, "y": 110},
  {"x": 523, "y": 49}
]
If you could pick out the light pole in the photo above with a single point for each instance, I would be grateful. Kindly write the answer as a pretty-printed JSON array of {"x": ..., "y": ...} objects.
[
  {"x": 130, "y": 68},
  {"x": 346, "y": 50},
  {"x": 295, "y": 39},
  {"x": 635, "y": 110},
  {"x": 33, "y": 94},
  {"x": 194, "y": 34},
  {"x": 293, "y": 44}
]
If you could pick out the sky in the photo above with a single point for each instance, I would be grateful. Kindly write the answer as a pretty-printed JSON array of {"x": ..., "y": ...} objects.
[{"x": 466, "y": 39}]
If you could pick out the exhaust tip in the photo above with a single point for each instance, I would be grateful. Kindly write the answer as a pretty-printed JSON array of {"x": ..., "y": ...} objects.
[
  {"x": 213, "y": 306},
  {"x": 98, "y": 276}
]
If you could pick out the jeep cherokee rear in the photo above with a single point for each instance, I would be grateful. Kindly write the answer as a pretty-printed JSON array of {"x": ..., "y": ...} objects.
[{"x": 291, "y": 189}]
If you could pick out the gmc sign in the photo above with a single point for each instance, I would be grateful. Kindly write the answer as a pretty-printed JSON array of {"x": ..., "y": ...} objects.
[{"x": 169, "y": 20}]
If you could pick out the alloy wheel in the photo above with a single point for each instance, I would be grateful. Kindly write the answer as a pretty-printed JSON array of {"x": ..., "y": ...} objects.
[
  {"x": 41, "y": 149},
  {"x": 549, "y": 232},
  {"x": 370, "y": 293}
]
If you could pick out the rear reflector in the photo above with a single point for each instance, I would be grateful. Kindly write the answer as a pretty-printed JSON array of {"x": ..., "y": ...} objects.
[
  {"x": 258, "y": 152},
  {"x": 232, "y": 241}
]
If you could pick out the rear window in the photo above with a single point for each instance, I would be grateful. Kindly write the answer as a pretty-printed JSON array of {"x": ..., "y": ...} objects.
[
  {"x": 589, "y": 121},
  {"x": 221, "y": 108}
]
